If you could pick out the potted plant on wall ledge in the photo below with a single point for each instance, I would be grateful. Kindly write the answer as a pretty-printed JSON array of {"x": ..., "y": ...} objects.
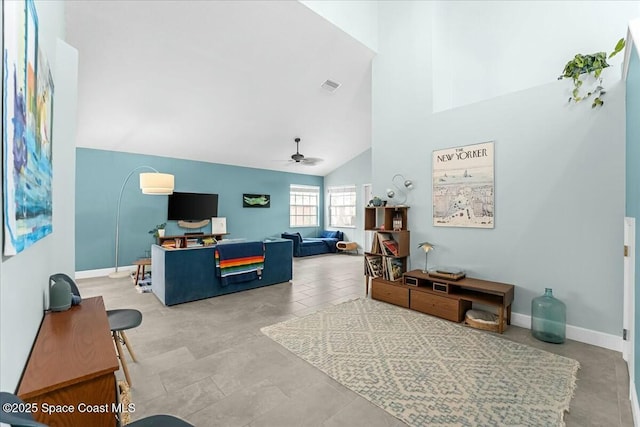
[
  {"x": 158, "y": 230},
  {"x": 591, "y": 65}
]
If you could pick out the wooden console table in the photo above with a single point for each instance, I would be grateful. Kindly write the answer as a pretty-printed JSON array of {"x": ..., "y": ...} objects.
[
  {"x": 70, "y": 371},
  {"x": 445, "y": 298}
]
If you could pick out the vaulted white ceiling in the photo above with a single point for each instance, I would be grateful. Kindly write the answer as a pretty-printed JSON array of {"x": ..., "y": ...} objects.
[{"x": 230, "y": 82}]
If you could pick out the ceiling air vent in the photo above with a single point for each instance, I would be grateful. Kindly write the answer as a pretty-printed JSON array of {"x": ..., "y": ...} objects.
[{"x": 330, "y": 85}]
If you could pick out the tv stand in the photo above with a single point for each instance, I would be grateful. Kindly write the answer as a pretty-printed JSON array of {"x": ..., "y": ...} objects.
[
  {"x": 186, "y": 240},
  {"x": 445, "y": 298}
]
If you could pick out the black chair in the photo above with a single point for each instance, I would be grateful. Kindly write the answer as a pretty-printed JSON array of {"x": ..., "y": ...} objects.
[
  {"x": 120, "y": 320},
  {"x": 20, "y": 418}
]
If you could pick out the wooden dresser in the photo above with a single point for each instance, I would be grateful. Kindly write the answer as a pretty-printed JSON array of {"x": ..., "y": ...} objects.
[{"x": 70, "y": 372}]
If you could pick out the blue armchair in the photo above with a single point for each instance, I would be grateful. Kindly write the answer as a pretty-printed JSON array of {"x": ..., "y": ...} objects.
[{"x": 306, "y": 246}]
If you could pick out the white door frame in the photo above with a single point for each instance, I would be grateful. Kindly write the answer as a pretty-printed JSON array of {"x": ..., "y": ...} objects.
[
  {"x": 367, "y": 194},
  {"x": 628, "y": 318}
]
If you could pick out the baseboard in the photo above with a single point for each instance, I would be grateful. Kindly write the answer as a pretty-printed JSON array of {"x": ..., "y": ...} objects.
[
  {"x": 101, "y": 272},
  {"x": 575, "y": 333},
  {"x": 587, "y": 336},
  {"x": 635, "y": 408}
]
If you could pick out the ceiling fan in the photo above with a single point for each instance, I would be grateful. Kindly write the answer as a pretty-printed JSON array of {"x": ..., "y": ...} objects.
[{"x": 300, "y": 158}]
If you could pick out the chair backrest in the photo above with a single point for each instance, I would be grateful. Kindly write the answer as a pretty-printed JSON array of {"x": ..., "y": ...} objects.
[
  {"x": 14, "y": 413},
  {"x": 69, "y": 280}
]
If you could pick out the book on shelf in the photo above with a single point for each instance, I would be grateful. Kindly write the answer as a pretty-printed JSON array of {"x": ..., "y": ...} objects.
[
  {"x": 375, "y": 244},
  {"x": 375, "y": 265},
  {"x": 395, "y": 269},
  {"x": 208, "y": 241},
  {"x": 391, "y": 246},
  {"x": 388, "y": 246},
  {"x": 193, "y": 243}
]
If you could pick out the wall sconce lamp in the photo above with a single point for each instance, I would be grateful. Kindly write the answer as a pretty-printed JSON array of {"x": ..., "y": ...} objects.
[
  {"x": 402, "y": 188},
  {"x": 426, "y": 247},
  {"x": 152, "y": 183}
]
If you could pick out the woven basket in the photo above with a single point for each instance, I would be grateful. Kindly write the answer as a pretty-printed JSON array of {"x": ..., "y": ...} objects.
[
  {"x": 125, "y": 398},
  {"x": 482, "y": 320}
]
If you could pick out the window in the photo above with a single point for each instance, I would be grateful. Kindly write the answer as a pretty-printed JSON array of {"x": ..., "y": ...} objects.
[
  {"x": 304, "y": 202},
  {"x": 342, "y": 206}
]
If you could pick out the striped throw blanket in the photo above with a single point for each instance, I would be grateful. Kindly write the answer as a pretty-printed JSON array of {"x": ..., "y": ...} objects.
[{"x": 239, "y": 262}]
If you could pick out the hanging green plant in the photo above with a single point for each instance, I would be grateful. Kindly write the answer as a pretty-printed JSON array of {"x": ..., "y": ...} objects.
[{"x": 591, "y": 65}]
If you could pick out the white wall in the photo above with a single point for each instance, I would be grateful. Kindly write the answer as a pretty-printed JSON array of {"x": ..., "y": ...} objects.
[
  {"x": 559, "y": 175},
  {"x": 356, "y": 172},
  {"x": 65, "y": 171},
  {"x": 24, "y": 277},
  {"x": 358, "y": 18},
  {"x": 516, "y": 45}
]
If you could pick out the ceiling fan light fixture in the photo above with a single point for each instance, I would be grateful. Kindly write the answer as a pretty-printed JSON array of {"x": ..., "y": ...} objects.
[
  {"x": 298, "y": 157},
  {"x": 330, "y": 85}
]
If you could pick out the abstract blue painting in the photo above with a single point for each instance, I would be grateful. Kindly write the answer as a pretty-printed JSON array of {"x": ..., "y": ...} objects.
[{"x": 27, "y": 100}]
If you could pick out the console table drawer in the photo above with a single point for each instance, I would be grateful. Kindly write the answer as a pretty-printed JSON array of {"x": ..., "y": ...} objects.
[
  {"x": 389, "y": 293},
  {"x": 447, "y": 308}
]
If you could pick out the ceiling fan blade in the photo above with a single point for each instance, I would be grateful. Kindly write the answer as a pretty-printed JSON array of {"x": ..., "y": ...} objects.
[{"x": 310, "y": 161}]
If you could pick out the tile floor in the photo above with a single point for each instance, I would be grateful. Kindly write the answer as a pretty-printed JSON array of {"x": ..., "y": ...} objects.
[{"x": 208, "y": 362}]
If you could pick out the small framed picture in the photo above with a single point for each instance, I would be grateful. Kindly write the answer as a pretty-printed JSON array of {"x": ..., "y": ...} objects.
[
  {"x": 219, "y": 225},
  {"x": 256, "y": 200}
]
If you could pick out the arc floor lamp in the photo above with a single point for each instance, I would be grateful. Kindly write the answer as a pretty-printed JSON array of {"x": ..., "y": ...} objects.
[{"x": 152, "y": 183}]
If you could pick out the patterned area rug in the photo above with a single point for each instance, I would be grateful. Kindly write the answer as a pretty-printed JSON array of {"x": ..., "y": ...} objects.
[{"x": 431, "y": 372}]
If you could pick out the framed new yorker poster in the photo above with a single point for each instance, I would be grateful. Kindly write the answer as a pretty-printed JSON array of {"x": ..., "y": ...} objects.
[
  {"x": 26, "y": 138},
  {"x": 463, "y": 186}
]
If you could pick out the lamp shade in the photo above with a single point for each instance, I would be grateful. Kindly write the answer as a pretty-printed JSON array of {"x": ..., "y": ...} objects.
[
  {"x": 426, "y": 246},
  {"x": 156, "y": 183}
]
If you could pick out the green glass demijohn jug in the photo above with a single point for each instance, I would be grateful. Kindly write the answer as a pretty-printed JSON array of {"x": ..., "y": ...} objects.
[{"x": 548, "y": 318}]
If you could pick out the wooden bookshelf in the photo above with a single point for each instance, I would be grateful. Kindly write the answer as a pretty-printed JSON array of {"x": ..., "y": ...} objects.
[
  {"x": 380, "y": 218},
  {"x": 392, "y": 265}
]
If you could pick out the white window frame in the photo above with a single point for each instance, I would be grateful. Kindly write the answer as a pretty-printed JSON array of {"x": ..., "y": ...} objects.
[
  {"x": 304, "y": 206},
  {"x": 342, "y": 198}
]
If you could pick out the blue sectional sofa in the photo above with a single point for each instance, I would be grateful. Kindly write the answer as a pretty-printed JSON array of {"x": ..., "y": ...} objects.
[{"x": 305, "y": 246}]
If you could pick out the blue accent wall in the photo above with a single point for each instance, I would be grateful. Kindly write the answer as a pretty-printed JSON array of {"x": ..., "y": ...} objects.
[
  {"x": 633, "y": 183},
  {"x": 99, "y": 177}
]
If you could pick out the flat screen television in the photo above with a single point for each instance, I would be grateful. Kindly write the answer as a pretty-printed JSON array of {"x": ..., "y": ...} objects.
[{"x": 192, "y": 206}]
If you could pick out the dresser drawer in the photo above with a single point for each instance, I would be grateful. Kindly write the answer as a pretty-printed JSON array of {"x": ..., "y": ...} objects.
[
  {"x": 386, "y": 292},
  {"x": 440, "y": 306}
]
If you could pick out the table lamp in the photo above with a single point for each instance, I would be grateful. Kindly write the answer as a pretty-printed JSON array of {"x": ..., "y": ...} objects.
[{"x": 426, "y": 247}]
